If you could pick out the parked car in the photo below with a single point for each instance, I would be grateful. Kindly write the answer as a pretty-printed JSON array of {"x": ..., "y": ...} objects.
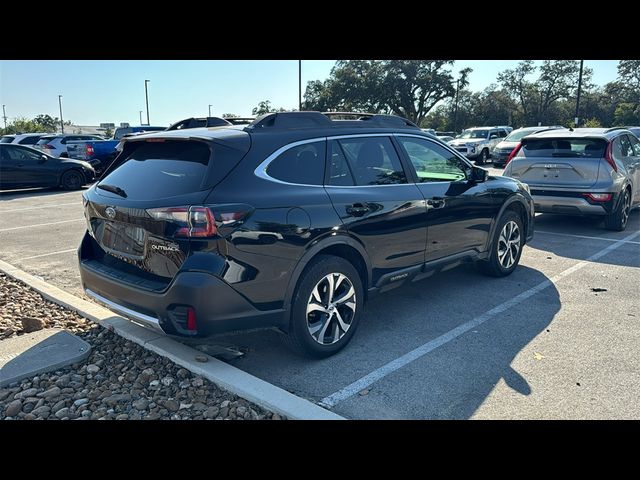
[
  {"x": 23, "y": 167},
  {"x": 445, "y": 138},
  {"x": 506, "y": 127},
  {"x": 430, "y": 131},
  {"x": 446, "y": 134},
  {"x": 477, "y": 143},
  {"x": 292, "y": 221},
  {"x": 502, "y": 150},
  {"x": 100, "y": 153},
  {"x": 584, "y": 171},
  {"x": 634, "y": 130},
  {"x": 56, "y": 145},
  {"x": 193, "y": 122},
  {"x": 22, "y": 138}
]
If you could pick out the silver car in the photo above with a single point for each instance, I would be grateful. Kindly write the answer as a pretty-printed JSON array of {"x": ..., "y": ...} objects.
[
  {"x": 56, "y": 145},
  {"x": 478, "y": 142},
  {"x": 585, "y": 171}
]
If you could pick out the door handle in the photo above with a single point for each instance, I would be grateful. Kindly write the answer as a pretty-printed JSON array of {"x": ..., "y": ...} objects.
[
  {"x": 435, "y": 202},
  {"x": 358, "y": 209}
]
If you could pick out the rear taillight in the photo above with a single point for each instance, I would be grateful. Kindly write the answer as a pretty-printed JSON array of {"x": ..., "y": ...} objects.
[
  {"x": 513, "y": 153},
  {"x": 89, "y": 150},
  {"x": 598, "y": 197},
  {"x": 608, "y": 156},
  {"x": 200, "y": 221}
]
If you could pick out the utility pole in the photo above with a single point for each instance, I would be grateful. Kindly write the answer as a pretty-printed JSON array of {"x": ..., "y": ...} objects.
[
  {"x": 455, "y": 111},
  {"x": 4, "y": 115},
  {"x": 299, "y": 85},
  {"x": 578, "y": 95},
  {"x": 210, "y": 110},
  {"x": 140, "y": 111},
  {"x": 146, "y": 95},
  {"x": 61, "y": 121}
]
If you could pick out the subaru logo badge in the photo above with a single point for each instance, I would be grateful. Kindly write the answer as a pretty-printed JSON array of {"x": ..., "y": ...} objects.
[{"x": 111, "y": 212}]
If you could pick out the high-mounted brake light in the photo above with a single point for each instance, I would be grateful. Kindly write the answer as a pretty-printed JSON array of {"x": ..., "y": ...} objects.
[
  {"x": 513, "y": 153},
  {"x": 155, "y": 140},
  {"x": 608, "y": 156}
]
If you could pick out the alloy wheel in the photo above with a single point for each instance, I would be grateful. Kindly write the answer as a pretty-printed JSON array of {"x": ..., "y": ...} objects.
[
  {"x": 331, "y": 308},
  {"x": 509, "y": 244},
  {"x": 626, "y": 207}
]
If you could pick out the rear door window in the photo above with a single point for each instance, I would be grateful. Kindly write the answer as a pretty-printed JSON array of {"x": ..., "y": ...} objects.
[
  {"x": 44, "y": 140},
  {"x": 339, "y": 169},
  {"x": 30, "y": 140},
  {"x": 373, "y": 161},
  {"x": 565, "y": 147},
  {"x": 303, "y": 164},
  {"x": 162, "y": 169}
]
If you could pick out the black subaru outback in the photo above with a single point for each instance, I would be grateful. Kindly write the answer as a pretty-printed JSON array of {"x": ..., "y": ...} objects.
[{"x": 292, "y": 222}]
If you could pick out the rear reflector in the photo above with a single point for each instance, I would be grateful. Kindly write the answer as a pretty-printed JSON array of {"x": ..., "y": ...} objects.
[
  {"x": 89, "y": 150},
  {"x": 598, "y": 197},
  {"x": 191, "y": 319}
]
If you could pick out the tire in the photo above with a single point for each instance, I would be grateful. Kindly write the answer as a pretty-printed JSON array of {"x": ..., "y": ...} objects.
[
  {"x": 618, "y": 219},
  {"x": 318, "y": 332},
  {"x": 484, "y": 156},
  {"x": 499, "y": 265},
  {"x": 72, "y": 180}
]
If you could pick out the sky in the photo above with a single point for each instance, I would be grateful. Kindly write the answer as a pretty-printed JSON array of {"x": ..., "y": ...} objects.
[{"x": 112, "y": 91}]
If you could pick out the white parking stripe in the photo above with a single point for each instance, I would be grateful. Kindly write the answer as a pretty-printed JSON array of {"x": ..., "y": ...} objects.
[
  {"x": 584, "y": 236},
  {"x": 42, "y": 224},
  {"x": 46, "y": 205},
  {"x": 47, "y": 254},
  {"x": 422, "y": 350}
]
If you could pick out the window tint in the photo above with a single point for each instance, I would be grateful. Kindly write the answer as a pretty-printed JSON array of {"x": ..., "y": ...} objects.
[
  {"x": 635, "y": 145},
  {"x": 625, "y": 146},
  {"x": 44, "y": 140},
  {"x": 373, "y": 161},
  {"x": 303, "y": 164},
  {"x": 339, "y": 170},
  {"x": 564, "y": 147},
  {"x": 30, "y": 140},
  {"x": 22, "y": 155},
  {"x": 161, "y": 170},
  {"x": 502, "y": 133},
  {"x": 6, "y": 139},
  {"x": 432, "y": 162}
]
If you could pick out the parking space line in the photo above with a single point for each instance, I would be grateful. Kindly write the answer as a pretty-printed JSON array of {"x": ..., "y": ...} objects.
[
  {"x": 40, "y": 206},
  {"x": 422, "y": 350},
  {"x": 42, "y": 224},
  {"x": 47, "y": 254},
  {"x": 585, "y": 236}
]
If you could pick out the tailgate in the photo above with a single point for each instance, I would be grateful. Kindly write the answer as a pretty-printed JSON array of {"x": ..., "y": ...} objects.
[{"x": 77, "y": 150}]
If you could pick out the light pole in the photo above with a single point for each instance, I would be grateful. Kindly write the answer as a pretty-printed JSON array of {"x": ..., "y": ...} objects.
[
  {"x": 146, "y": 95},
  {"x": 4, "y": 115},
  {"x": 299, "y": 85},
  {"x": 140, "y": 111},
  {"x": 61, "y": 121},
  {"x": 578, "y": 95},
  {"x": 455, "y": 111},
  {"x": 210, "y": 110}
]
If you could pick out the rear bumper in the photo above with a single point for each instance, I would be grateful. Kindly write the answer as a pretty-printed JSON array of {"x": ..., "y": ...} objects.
[
  {"x": 568, "y": 205},
  {"x": 219, "y": 308}
]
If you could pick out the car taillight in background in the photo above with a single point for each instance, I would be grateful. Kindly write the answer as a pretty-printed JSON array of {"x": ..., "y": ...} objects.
[
  {"x": 608, "y": 156},
  {"x": 200, "y": 221},
  {"x": 598, "y": 197},
  {"x": 513, "y": 153},
  {"x": 89, "y": 150}
]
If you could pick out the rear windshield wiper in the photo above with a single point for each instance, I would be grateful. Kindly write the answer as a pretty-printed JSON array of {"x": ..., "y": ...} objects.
[{"x": 112, "y": 189}]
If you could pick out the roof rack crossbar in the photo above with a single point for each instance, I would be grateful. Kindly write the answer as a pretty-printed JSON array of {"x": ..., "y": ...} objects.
[{"x": 612, "y": 129}]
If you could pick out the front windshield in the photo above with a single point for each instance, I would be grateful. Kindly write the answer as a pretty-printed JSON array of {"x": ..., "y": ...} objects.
[
  {"x": 516, "y": 135},
  {"x": 475, "y": 134}
]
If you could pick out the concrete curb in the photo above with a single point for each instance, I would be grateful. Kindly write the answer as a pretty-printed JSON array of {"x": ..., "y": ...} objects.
[{"x": 226, "y": 376}]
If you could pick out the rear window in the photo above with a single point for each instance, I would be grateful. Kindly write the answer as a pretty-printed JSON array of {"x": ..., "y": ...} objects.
[
  {"x": 564, "y": 147},
  {"x": 30, "y": 140},
  {"x": 6, "y": 139},
  {"x": 161, "y": 169},
  {"x": 44, "y": 140}
]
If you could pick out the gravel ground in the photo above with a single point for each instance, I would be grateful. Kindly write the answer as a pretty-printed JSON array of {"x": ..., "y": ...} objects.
[{"x": 120, "y": 380}]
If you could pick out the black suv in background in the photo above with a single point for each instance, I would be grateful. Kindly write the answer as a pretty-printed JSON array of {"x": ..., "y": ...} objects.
[{"x": 291, "y": 222}]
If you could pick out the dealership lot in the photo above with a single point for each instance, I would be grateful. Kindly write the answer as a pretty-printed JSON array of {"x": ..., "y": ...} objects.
[{"x": 540, "y": 343}]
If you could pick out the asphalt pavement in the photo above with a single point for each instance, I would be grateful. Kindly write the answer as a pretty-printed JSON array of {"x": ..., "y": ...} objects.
[{"x": 557, "y": 339}]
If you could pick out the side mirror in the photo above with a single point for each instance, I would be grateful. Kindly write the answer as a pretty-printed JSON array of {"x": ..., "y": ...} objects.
[
  {"x": 492, "y": 136},
  {"x": 478, "y": 175},
  {"x": 43, "y": 158}
]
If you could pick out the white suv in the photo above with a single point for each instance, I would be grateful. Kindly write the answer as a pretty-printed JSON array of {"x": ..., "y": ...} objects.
[
  {"x": 477, "y": 143},
  {"x": 56, "y": 145}
]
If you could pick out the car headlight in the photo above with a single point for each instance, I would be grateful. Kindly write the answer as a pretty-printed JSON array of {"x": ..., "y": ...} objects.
[{"x": 526, "y": 187}]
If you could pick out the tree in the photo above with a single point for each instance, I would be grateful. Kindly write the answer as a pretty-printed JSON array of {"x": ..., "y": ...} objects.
[
  {"x": 629, "y": 77},
  {"x": 408, "y": 88},
  {"x": 41, "y": 123},
  {"x": 265, "y": 107},
  {"x": 108, "y": 133},
  {"x": 47, "y": 123}
]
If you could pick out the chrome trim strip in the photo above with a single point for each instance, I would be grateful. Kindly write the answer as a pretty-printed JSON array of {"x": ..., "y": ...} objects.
[
  {"x": 261, "y": 170},
  {"x": 127, "y": 312}
]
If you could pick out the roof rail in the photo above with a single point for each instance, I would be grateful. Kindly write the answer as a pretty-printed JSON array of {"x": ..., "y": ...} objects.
[
  {"x": 286, "y": 120},
  {"x": 614, "y": 128}
]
